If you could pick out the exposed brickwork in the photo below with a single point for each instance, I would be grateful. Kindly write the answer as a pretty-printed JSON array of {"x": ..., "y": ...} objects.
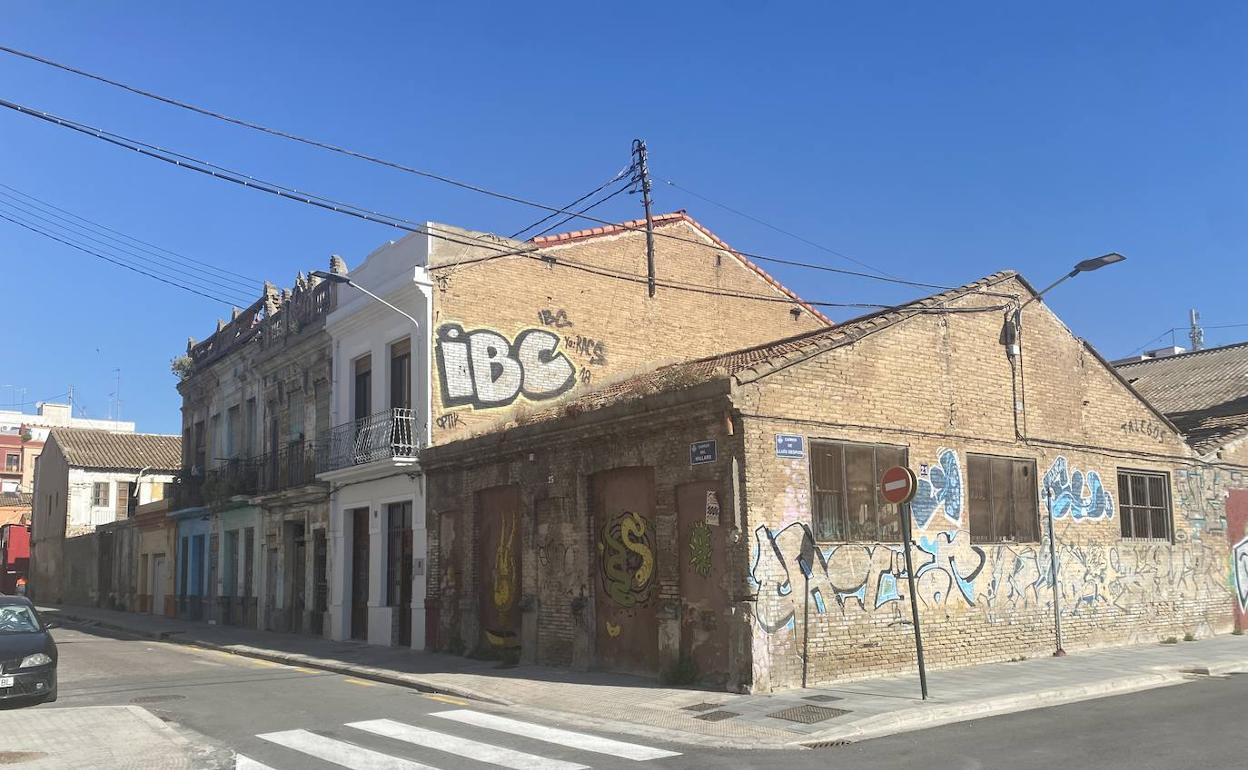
[{"x": 605, "y": 328}]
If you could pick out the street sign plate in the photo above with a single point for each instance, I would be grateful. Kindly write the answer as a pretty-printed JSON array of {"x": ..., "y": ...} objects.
[
  {"x": 898, "y": 484},
  {"x": 701, "y": 452},
  {"x": 790, "y": 445}
]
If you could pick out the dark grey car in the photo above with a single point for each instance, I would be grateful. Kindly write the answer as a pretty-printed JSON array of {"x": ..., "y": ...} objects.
[{"x": 27, "y": 653}]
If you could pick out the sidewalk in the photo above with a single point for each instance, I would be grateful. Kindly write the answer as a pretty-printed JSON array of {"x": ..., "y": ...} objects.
[
  {"x": 106, "y": 736},
  {"x": 846, "y": 712}
]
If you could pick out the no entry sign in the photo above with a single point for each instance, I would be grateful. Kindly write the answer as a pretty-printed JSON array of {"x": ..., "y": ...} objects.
[{"x": 898, "y": 484}]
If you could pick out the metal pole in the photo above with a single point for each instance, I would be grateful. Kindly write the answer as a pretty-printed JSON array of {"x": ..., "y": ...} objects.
[
  {"x": 1057, "y": 608},
  {"x": 914, "y": 600}
]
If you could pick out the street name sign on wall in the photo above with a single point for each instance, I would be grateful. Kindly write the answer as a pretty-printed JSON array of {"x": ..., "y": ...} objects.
[
  {"x": 790, "y": 445},
  {"x": 702, "y": 452}
]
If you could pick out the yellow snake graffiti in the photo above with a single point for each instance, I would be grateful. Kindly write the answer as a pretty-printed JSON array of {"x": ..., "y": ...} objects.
[
  {"x": 505, "y": 567},
  {"x": 626, "y": 547}
]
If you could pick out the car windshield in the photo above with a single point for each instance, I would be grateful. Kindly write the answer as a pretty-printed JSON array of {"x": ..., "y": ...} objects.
[{"x": 17, "y": 619}]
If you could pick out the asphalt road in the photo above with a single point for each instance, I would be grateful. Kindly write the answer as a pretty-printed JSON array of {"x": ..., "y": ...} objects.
[{"x": 288, "y": 717}]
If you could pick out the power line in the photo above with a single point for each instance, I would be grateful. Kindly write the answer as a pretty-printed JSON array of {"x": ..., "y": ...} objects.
[
  {"x": 782, "y": 231},
  {"x": 185, "y": 259},
  {"x": 210, "y": 283},
  {"x": 430, "y": 175},
  {"x": 115, "y": 262},
  {"x": 223, "y": 173},
  {"x": 587, "y": 195},
  {"x": 590, "y": 207}
]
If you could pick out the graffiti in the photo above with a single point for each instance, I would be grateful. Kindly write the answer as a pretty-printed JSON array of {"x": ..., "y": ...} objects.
[
  {"x": 1008, "y": 582},
  {"x": 505, "y": 568},
  {"x": 1239, "y": 556},
  {"x": 594, "y": 351},
  {"x": 1144, "y": 427},
  {"x": 586, "y": 376},
  {"x": 700, "y": 549},
  {"x": 448, "y": 421},
  {"x": 556, "y": 318},
  {"x": 483, "y": 369},
  {"x": 1067, "y": 497},
  {"x": 613, "y": 629},
  {"x": 626, "y": 547},
  {"x": 940, "y": 488},
  {"x": 854, "y": 576},
  {"x": 1201, "y": 494}
]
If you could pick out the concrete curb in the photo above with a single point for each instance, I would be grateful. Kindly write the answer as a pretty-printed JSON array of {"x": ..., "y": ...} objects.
[{"x": 369, "y": 673}]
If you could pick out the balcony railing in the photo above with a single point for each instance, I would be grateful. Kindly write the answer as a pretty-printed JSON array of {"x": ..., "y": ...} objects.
[
  {"x": 294, "y": 465},
  {"x": 236, "y": 477},
  {"x": 381, "y": 436}
]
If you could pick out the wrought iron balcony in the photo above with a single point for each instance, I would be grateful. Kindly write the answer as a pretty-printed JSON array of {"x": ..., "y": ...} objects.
[
  {"x": 382, "y": 436},
  {"x": 236, "y": 477},
  {"x": 294, "y": 465}
]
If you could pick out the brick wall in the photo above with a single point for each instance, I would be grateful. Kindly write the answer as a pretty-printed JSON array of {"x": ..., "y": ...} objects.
[
  {"x": 584, "y": 329},
  {"x": 562, "y": 549},
  {"x": 941, "y": 386}
]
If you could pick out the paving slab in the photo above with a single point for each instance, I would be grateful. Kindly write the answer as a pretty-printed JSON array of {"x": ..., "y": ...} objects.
[{"x": 104, "y": 736}]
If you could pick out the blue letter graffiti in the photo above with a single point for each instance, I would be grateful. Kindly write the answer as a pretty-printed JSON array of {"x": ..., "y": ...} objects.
[
  {"x": 1064, "y": 491},
  {"x": 941, "y": 489}
]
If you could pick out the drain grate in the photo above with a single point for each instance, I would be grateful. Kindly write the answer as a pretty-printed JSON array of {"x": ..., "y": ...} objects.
[
  {"x": 826, "y": 744},
  {"x": 700, "y": 707},
  {"x": 822, "y": 698},
  {"x": 717, "y": 716},
  {"x": 808, "y": 715},
  {"x": 157, "y": 698}
]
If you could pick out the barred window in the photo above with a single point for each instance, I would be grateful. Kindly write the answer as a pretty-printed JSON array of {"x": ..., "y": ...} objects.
[
  {"x": 1003, "y": 499},
  {"x": 845, "y": 484},
  {"x": 99, "y": 494},
  {"x": 1144, "y": 505}
]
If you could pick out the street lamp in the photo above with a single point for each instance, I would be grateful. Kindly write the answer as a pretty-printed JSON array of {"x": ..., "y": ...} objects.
[
  {"x": 342, "y": 279},
  {"x": 1013, "y": 338}
]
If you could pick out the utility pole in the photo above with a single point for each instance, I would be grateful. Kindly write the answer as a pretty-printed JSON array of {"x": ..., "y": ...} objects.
[
  {"x": 641, "y": 177},
  {"x": 1196, "y": 334}
]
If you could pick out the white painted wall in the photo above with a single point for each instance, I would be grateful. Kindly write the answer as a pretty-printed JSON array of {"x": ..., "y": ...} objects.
[{"x": 82, "y": 513}]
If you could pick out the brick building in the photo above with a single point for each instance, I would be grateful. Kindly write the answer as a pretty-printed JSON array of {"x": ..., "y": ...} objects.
[
  {"x": 723, "y": 514},
  {"x": 497, "y": 329}
]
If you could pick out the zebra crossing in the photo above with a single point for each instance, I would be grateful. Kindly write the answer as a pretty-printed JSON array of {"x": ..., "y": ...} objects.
[{"x": 435, "y": 746}]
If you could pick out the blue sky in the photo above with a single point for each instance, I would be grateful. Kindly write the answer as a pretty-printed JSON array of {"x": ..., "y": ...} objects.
[{"x": 938, "y": 142}]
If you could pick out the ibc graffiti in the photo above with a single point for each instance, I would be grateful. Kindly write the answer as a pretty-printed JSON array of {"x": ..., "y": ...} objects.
[{"x": 483, "y": 368}]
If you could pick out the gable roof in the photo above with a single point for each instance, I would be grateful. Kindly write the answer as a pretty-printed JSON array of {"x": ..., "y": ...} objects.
[
  {"x": 1204, "y": 392},
  {"x": 664, "y": 220},
  {"x": 749, "y": 364},
  {"x": 107, "y": 450}
]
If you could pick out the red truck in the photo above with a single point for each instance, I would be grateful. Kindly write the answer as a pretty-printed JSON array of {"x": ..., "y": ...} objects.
[{"x": 14, "y": 557}]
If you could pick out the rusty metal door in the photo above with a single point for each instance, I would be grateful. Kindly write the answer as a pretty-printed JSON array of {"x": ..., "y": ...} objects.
[
  {"x": 450, "y": 582},
  {"x": 626, "y": 580},
  {"x": 499, "y": 559},
  {"x": 703, "y": 578}
]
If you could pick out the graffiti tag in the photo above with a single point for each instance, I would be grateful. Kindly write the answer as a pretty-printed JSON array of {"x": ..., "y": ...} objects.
[
  {"x": 594, "y": 351},
  {"x": 484, "y": 369},
  {"x": 940, "y": 489},
  {"x": 556, "y": 318},
  {"x": 626, "y": 547},
  {"x": 1075, "y": 494}
]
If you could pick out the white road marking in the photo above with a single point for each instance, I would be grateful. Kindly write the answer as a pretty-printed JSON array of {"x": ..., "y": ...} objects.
[
  {"x": 339, "y": 752},
  {"x": 481, "y": 752},
  {"x": 568, "y": 738},
  {"x": 247, "y": 763}
]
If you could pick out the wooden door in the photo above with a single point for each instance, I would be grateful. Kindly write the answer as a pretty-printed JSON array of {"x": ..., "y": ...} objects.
[
  {"x": 359, "y": 573},
  {"x": 703, "y": 576},
  {"x": 158, "y": 584},
  {"x": 626, "y": 594},
  {"x": 498, "y": 512}
]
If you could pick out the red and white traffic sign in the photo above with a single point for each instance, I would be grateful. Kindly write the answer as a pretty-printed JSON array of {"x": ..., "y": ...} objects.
[{"x": 898, "y": 484}]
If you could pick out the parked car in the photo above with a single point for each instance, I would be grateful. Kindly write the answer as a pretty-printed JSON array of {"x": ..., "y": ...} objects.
[{"x": 27, "y": 653}]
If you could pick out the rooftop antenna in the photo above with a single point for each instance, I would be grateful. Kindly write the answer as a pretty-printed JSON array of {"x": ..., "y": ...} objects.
[
  {"x": 1196, "y": 334},
  {"x": 114, "y": 406}
]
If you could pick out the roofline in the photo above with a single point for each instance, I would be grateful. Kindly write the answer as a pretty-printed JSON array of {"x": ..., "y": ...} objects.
[
  {"x": 1131, "y": 388},
  {"x": 672, "y": 217},
  {"x": 1184, "y": 354}
]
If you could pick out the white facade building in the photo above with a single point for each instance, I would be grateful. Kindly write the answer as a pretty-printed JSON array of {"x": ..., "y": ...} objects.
[{"x": 381, "y": 404}]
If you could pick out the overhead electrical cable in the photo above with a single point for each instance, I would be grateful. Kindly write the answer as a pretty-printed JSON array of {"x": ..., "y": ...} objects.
[
  {"x": 116, "y": 262},
  {"x": 175, "y": 271},
  {"x": 782, "y": 231},
  {"x": 430, "y": 175},
  {"x": 590, "y": 207},
  {"x": 249, "y": 280},
  {"x": 623, "y": 172}
]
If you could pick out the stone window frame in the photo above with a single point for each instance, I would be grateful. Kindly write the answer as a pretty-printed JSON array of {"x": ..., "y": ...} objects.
[
  {"x": 1035, "y": 498},
  {"x": 816, "y": 444},
  {"x": 1128, "y": 506}
]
